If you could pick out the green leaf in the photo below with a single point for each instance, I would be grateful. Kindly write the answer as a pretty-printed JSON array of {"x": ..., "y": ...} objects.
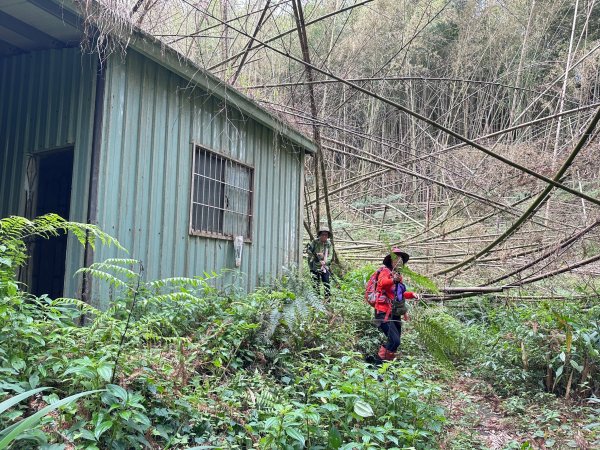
[
  {"x": 5, "y": 261},
  {"x": 363, "y": 409},
  {"x": 105, "y": 372},
  {"x": 576, "y": 366},
  {"x": 334, "y": 441},
  {"x": 117, "y": 391},
  {"x": 102, "y": 427},
  {"x": 40, "y": 439},
  {"x": 32, "y": 421},
  {"x": 271, "y": 422},
  {"x": 295, "y": 434},
  {"x": 86, "y": 434},
  {"x": 34, "y": 380},
  {"x": 12, "y": 415},
  {"x": 559, "y": 371},
  {"x": 17, "y": 363},
  {"x": 420, "y": 281},
  {"x": 17, "y": 398}
]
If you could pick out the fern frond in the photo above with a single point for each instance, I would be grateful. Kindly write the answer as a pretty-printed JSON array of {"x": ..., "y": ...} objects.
[
  {"x": 104, "y": 276},
  {"x": 173, "y": 297},
  {"x": 117, "y": 266},
  {"x": 272, "y": 324},
  {"x": 120, "y": 261},
  {"x": 177, "y": 282},
  {"x": 14, "y": 230},
  {"x": 289, "y": 317},
  {"x": 443, "y": 335},
  {"x": 314, "y": 301},
  {"x": 106, "y": 318},
  {"x": 265, "y": 400},
  {"x": 51, "y": 224},
  {"x": 271, "y": 353},
  {"x": 84, "y": 307},
  {"x": 419, "y": 282}
]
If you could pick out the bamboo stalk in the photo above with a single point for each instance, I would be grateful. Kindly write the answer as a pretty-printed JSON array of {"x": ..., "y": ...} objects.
[
  {"x": 587, "y": 135},
  {"x": 552, "y": 182},
  {"x": 274, "y": 38},
  {"x": 403, "y": 78},
  {"x": 250, "y": 42},
  {"x": 561, "y": 245},
  {"x": 553, "y": 273},
  {"x": 299, "y": 15}
]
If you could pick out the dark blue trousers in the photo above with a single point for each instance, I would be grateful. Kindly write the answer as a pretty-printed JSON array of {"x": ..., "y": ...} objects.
[{"x": 392, "y": 330}]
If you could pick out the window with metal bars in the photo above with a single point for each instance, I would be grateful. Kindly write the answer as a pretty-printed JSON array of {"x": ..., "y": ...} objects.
[{"x": 221, "y": 196}]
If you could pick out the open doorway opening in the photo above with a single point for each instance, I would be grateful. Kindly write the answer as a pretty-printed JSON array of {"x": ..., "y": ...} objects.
[{"x": 53, "y": 195}]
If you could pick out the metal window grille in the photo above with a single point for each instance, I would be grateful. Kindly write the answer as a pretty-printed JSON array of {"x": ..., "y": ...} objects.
[{"x": 221, "y": 196}]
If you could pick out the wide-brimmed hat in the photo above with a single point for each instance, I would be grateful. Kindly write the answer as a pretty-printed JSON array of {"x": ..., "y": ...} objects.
[
  {"x": 323, "y": 230},
  {"x": 387, "y": 261}
]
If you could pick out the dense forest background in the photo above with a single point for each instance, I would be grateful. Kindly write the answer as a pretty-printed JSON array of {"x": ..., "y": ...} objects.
[{"x": 520, "y": 78}]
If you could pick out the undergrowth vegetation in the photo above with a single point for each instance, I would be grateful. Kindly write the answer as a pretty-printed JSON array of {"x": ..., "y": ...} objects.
[
  {"x": 181, "y": 364},
  {"x": 177, "y": 363}
]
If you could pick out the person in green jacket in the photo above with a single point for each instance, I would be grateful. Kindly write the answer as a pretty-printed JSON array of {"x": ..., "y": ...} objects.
[{"x": 320, "y": 255}]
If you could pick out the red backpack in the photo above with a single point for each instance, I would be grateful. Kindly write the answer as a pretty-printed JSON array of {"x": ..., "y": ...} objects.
[{"x": 371, "y": 288}]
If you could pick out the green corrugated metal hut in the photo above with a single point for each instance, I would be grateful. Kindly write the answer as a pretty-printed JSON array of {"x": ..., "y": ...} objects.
[{"x": 159, "y": 153}]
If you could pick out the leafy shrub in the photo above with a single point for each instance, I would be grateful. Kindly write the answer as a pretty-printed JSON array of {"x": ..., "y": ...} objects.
[
  {"x": 542, "y": 346},
  {"x": 348, "y": 405}
]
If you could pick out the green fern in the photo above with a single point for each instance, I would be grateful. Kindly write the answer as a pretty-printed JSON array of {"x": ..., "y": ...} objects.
[
  {"x": 83, "y": 307},
  {"x": 418, "y": 282},
  {"x": 173, "y": 297},
  {"x": 444, "y": 336},
  {"x": 15, "y": 231},
  {"x": 111, "y": 269},
  {"x": 271, "y": 353},
  {"x": 265, "y": 400},
  {"x": 181, "y": 282},
  {"x": 294, "y": 304},
  {"x": 16, "y": 228},
  {"x": 104, "y": 276},
  {"x": 271, "y": 324}
]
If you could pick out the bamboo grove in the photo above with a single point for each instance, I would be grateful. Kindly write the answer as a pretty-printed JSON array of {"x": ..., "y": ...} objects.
[{"x": 461, "y": 130}]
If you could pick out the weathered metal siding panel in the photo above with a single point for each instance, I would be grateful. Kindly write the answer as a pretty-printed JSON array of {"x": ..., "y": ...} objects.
[
  {"x": 47, "y": 102},
  {"x": 152, "y": 119}
]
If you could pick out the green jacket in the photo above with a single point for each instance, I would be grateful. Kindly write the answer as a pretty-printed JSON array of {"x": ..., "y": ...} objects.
[{"x": 314, "y": 247}]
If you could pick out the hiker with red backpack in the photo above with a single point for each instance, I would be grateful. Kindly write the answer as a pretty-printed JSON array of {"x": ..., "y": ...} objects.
[{"x": 387, "y": 294}]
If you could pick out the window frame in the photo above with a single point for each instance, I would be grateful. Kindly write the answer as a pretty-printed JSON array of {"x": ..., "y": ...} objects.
[{"x": 207, "y": 234}]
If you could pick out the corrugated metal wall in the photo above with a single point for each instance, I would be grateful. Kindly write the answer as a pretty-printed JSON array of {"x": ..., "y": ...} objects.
[
  {"x": 46, "y": 102},
  {"x": 151, "y": 119}
]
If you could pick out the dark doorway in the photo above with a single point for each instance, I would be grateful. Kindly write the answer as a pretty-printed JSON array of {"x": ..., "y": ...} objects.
[{"x": 55, "y": 174}]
